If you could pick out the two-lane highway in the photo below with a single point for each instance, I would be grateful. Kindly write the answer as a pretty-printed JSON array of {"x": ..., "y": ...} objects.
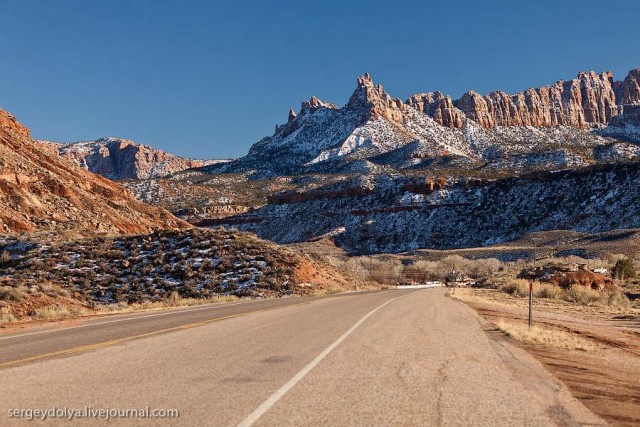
[
  {"x": 28, "y": 346},
  {"x": 382, "y": 358}
]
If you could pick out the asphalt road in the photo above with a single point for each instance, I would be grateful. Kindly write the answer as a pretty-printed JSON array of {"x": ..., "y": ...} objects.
[{"x": 381, "y": 358}]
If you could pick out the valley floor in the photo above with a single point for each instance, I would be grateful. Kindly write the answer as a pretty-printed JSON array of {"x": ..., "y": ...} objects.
[{"x": 606, "y": 379}]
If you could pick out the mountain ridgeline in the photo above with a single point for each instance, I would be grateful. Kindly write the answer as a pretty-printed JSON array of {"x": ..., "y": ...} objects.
[
  {"x": 385, "y": 175},
  {"x": 374, "y": 130}
]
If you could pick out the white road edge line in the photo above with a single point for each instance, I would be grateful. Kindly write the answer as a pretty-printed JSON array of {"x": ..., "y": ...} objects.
[
  {"x": 275, "y": 397},
  {"x": 167, "y": 313}
]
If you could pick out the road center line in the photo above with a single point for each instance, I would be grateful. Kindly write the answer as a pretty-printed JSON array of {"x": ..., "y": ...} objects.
[
  {"x": 165, "y": 313},
  {"x": 116, "y": 341},
  {"x": 279, "y": 394}
]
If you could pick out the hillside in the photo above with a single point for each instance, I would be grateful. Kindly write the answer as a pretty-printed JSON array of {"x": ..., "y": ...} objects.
[
  {"x": 39, "y": 190},
  {"x": 394, "y": 214},
  {"x": 199, "y": 264}
]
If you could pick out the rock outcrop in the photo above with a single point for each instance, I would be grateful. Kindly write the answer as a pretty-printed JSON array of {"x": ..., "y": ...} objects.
[
  {"x": 9, "y": 122},
  {"x": 630, "y": 88},
  {"x": 39, "y": 190},
  {"x": 590, "y": 100},
  {"x": 475, "y": 106},
  {"x": 587, "y": 101},
  {"x": 117, "y": 158},
  {"x": 375, "y": 130},
  {"x": 314, "y": 104},
  {"x": 374, "y": 102},
  {"x": 438, "y": 106}
]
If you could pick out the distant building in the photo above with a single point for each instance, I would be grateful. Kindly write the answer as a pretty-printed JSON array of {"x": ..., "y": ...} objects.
[{"x": 456, "y": 278}]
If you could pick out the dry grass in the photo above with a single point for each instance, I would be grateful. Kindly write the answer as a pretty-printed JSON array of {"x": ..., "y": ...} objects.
[
  {"x": 543, "y": 290},
  {"x": 174, "y": 300},
  {"x": 516, "y": 287},
  {"x": 579, "y": 295},
  {"x": 58, "y": 311},
  {"x": 547, "y": 337},
  {"x": 8, "y": 293}
]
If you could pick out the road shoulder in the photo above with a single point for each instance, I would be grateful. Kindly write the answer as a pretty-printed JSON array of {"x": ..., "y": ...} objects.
[{"x": 606, "y": 380}]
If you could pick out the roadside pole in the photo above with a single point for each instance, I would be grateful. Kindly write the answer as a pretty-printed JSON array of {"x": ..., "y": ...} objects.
[{"x": 530, "y": 304}]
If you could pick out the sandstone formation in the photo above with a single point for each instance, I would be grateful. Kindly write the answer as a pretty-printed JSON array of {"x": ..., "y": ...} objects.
[
  {"x": 313, "y": 104},
  {"x": 590, "y": 100},
  {"x": 439, "y": 106},
  {"x": 39, "y": 190},
  {"x": 375, "y": 102},
  {"x": 9, "y": 122},
  {"x": 373, "y": 131},
  {"x": 117, "y": 158},
  {"x": 630, "y": 88}
]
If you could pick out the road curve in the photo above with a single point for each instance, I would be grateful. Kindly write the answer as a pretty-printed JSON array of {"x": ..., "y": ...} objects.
[{"x": 383, "y": 358}]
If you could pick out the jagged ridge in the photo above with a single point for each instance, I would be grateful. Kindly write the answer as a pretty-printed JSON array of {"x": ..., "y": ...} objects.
[{"x": 321, "y": 137}]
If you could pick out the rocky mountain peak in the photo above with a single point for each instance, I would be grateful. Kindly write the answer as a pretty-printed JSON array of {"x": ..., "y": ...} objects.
[
  {"x": 587, "y": 101},
  {"x": 374, "y": 102},
  {"x": 365, "y": 79},
  {"x": 292, "y": 115},
  {"x": 475, "y": 106},
  {"x": 313, "y": 104}
]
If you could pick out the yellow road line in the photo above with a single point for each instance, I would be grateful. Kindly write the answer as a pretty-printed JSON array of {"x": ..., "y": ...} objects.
[
  {"x": 90, "y": 347},
  {"x": 129, "y": 338}
]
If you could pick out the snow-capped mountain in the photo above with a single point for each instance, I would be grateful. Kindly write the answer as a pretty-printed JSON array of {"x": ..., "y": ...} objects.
[
  {"x": 381, "y": 174},
  {"x": 117, "y": 158},
  {"x": 574, "y": 116}
]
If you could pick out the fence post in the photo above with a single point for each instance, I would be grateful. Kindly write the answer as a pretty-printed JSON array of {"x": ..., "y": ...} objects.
[{"x": 530, "y": 304}]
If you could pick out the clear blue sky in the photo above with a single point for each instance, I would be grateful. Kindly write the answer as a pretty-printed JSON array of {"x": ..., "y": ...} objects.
[{"x": 208, "y": 79}]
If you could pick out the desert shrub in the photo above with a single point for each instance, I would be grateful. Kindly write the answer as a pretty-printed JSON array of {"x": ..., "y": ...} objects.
[
  {"x": 544, "y": 290},
  {"x": 6, "y": 316},
  {"x": 516, "y": 287},
  {"x": 53, "y": 290},
  {"x": 617, "y": 300},
  {"x": 56, "y": 311},
  {"x": 174, "y": 299},
  {"x": 611, "y": 258},
  {"x": 8, "y": 293},
  {"x": 5, "y": 258},
  {"x": 582, "y": 295},
  {"x": 623, "y": 269}
]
